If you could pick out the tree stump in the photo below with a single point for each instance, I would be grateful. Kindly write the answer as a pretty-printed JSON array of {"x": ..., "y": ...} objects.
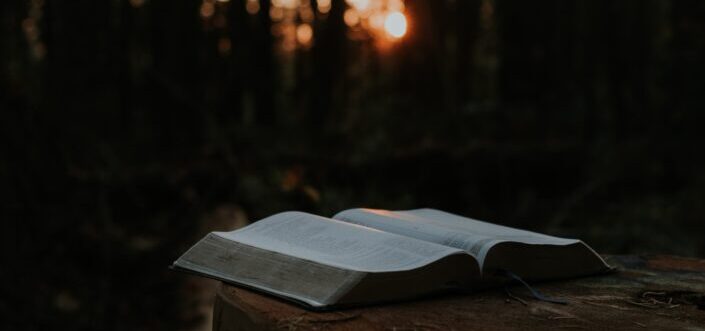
[{"x": 647, "y": 293}]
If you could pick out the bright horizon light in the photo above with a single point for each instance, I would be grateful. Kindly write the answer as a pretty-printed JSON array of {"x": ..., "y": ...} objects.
[{"x": 395, "y": 24}]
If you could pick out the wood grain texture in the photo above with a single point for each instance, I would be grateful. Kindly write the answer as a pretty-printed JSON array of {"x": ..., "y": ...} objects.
[{"x": 648, "y": 293}]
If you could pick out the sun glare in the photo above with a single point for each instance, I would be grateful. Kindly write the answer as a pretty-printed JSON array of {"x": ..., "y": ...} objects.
[
  {"x": 323, "y": 6},
  {"x": 395, "y": 24},
  {"x": 359, "y": 4},
  {"x": 304, "y": 34},
  {"x": 292, "y": 21}
]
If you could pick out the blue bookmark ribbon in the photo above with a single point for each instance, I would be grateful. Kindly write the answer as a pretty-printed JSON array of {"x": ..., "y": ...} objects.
[{"x": 535, "y": 293}]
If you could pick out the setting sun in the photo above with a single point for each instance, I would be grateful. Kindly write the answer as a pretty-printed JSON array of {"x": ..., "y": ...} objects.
[{"x": 395, "y": 24}]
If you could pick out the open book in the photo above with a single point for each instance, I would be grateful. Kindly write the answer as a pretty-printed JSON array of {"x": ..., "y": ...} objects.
[{"x": 367, "y": 256}]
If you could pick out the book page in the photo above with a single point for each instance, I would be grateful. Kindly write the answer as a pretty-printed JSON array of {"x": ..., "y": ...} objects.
[
  {"x": 338, "y": 244},
  {"x": 473, "y": 236}
]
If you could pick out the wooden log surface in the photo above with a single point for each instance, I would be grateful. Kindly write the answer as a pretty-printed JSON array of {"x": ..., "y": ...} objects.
[{"x": 647, "y": 293}]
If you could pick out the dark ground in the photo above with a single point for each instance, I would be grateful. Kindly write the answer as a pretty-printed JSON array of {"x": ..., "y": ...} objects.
[{"x": 128, "y": 133}]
